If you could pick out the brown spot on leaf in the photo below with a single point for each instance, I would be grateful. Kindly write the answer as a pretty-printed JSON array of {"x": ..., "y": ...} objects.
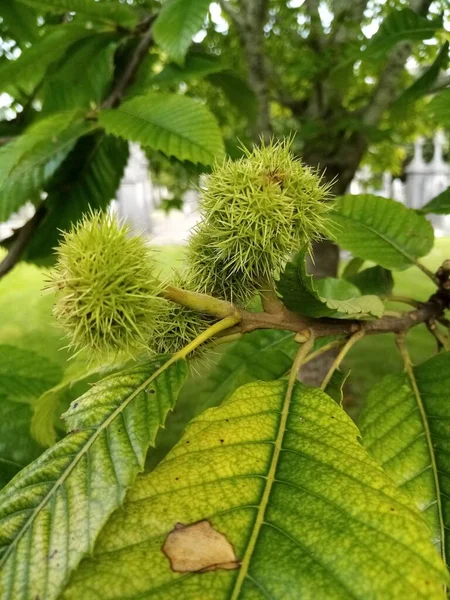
[{"x": 197, "y": 548}]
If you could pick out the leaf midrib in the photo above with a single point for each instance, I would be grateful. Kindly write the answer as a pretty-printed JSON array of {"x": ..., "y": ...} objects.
[
  {"x": 270, "y": 480},
  {"x": 412, "y": 259},
  {"x": 429, "y": 442},
  {"x": 174, "y": 132},
  {"x": 60, "y": 481}
]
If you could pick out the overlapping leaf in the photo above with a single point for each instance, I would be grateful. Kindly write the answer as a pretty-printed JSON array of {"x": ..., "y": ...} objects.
[
  {"x": 27, "y": 70},
  {"x": 407, "y": 431},
  {"x": 24, "y": 375},
  {"x": 374, "y": 280},
  {"x": 17, "y": 447},
  {"x": 88, "y": 178},
  {"x": 28, "y": 162},
  {"x": 53, "y": 510},
  {"x": 440, "y": 205},
  {"x": 176, "y": 125},
  {"x": 83, "y": 77},
  {"x": 177, "y": 23},
  {"x": 270, "y": 495},
  {"x": 381, "y": 230},
  {"x": 323, "y": 297}
]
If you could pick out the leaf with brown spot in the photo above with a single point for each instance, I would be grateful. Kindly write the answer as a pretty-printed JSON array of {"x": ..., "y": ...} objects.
[
  {"x": 306, "y": 509},
  {"x": 198, "y": 548}
]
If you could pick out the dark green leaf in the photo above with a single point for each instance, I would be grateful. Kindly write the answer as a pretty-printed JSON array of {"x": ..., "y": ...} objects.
[
  {"x": 374, "y": 280},
  {"x": 381, "y": 230},
  {"x": 21, "y": 21},
  {"x": 24, "y": 375},
  {"x": 439, "y": 205},
  {"x": 237, "y": 91},
  {"x": 82, "y": 79},
  {"x": 196, "y": 66},
  {"x": 176, "y": 125},
  {"x": 352, "y": 267},
  {"x": 32, "y": 158},
  {"x": 323, "y": 297},
  {"x": 424, "y": 83},
  {"x": 27, "y": 70},
  {"x": 17, "y": 447},
  {"x": 88, "y": 178},
  {"x": 176, "y": 25}
]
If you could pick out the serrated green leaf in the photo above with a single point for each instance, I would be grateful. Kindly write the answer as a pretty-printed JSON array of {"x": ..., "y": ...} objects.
[
  {"x": 408, "y": 434},
  {"x": 176, "y": 25},
  {"x": 439, "y": 108},
  {"x": 31, "y": 159},
  {"x": 24, "y": 375},
  {"x": 27, "y": 70},
  {"x": 381, "y": 230},
  {"x": 440, "y": 205},
  {"x": 88, "y": 178},
  {"x": 112, "y": 13},
  {"x": 398, "y": 26},
  {"x": 302, "y": 510},
  {"x": 261, "y": 354},
  {"x": 176, "y": 125},
  {"x": 42, "y": 537},
  {"x": 374, "y": 280},
  {"x": 323, "y": 297},
  {"x": 423, "y": 84},
  {"x": 89, "y": 61}
]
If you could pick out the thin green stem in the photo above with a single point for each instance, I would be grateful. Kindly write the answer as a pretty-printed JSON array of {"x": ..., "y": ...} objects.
[
  {"x": 340, "y": 357},
  {"x": 427, "y": 272}
]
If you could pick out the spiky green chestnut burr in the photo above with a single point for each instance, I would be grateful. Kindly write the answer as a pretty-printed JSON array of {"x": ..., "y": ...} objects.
[
  {"x": 255, "y": 212},
  {"x": 106, "y": 292}
]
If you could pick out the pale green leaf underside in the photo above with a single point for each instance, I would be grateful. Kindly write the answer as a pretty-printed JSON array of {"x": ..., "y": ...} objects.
[
  {"x": 53, "y": 510},
  {"x": 176, "y": 125},
  {"x": 381, "y": 230},
  {"x": 28, "y": 162},
  {"x": 440, "y": 108},
  {"x": 177, "y": 23},
  {"x": 108, "y": 12},
  {"x": 414, "y": 453},
  {"x": 324, "y": 297},
  {"x": 308, "y": 512}
]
